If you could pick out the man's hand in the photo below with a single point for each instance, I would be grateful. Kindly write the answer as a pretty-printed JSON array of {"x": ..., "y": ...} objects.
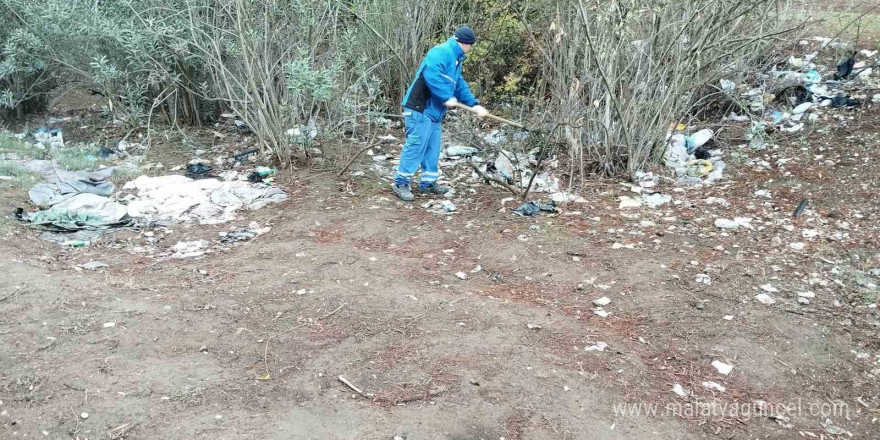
[
  {"x": 452, "y": 102},
  {"x": 480, "y": 111}
]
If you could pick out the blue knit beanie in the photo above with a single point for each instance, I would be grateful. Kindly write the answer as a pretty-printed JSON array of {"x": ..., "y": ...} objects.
[{"x": 465, "y": 35}]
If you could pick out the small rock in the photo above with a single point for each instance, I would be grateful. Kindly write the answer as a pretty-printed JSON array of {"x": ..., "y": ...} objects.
[
  {"x": 477, "y": 269},
  {"x": 203, "y": 349},
  {"x": 797, "y": 246},
  {"x": 776, "y": 241},
  {"x": 84, "y": 415}
]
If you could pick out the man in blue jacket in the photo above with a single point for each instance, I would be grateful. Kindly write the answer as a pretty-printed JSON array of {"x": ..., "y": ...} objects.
[{"x": 437, "y": 86}]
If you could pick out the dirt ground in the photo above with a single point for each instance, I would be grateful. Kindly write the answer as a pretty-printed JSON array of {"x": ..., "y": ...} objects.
[{"x": 250, "y": 341}]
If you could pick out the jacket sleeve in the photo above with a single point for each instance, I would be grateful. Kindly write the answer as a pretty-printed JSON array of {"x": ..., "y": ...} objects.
[
  {"x": 463, "y": 93},
  {"x": 441, "y": 85}
]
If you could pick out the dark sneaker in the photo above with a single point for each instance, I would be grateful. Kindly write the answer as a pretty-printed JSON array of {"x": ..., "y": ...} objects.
[
  {"x": 404, "y": 192},
  {"x": 434, "y": 189}
]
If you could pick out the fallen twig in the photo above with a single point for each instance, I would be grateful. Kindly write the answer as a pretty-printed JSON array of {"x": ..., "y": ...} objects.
[
  {"x": 351, "y": 385},
  {"x": 17, "y": 289},
  {"x": 333, "y": 312},
  {"x": 120, "y": 431},
  {"x": 354, "y": 158},
  {"x": 74, "y": 388},
  {"x": 793, "y": 371}
]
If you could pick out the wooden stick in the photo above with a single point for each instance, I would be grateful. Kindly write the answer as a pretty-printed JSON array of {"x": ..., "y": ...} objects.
[
  {"x": 351, "y": 385},
  {"x": 491, "y": 116},
  {"x": 354, "y": 158}
]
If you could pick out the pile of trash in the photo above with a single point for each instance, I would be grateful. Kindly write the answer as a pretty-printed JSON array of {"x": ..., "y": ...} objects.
[
  {"x": 172, "y": 199},
  {"x": 499, "y": 164},
  {"x": 86, "y": 202},
  {"x": 784, "y": 100},
  {"x": 73, "y": 201},
  {"x": 691, "y": 158}
]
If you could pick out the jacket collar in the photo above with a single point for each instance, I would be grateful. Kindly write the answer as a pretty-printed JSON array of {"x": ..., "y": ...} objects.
[{"x": 456, "y": 49}]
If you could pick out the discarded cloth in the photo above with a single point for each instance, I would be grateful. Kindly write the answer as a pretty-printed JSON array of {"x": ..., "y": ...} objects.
[
  {"x": 172, "y": 199},
  {"x": 844, "y": 101},
  {"x": 82, "y": 211},
  {"x": 531, "y": 209},
  {"x": 61, "y": 185},
  {"x": 198, "y": 170}
]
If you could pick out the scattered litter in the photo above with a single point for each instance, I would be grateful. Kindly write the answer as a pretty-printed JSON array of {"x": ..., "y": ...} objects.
[
  {"x": 655, "y": 200},
  {"x": 722, "y": 368},
  {"x": 830, "y": 429},
  {"x": 533, "y": 326},
  {"x": 530, "y": 209},
  {"x": 678, "y": 389},
  {"x": 603, "y": 301},
  {"x": 461, "y": 275},
  {"x": 714, "y": 386},
  {"x": 93, "y": 265},
  {"x": 599, "y": 346},
  {"x": 629, "y": 202},
  {"x": 802, "y": 108},
  {"x": 769, "y": 288},
  {"x": 461, "y": 150},
  {"x": 703, "y": 279},
  {"x": 801, "y": 207},
  {"x": 109, "y": 324},
  {"x": 763, "y": 193},
  {"x": 763, "y": 298},
  {"x": 698, "y": 168},
  {"x": 197, "y": 170},
  {"x": 736, "y": 223},
  {"x": 189, "y": 249},
  {"x": 260, "y": 174}
]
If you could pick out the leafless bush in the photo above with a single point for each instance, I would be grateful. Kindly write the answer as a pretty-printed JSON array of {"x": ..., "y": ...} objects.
[{"x": 619, "y": 73}]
